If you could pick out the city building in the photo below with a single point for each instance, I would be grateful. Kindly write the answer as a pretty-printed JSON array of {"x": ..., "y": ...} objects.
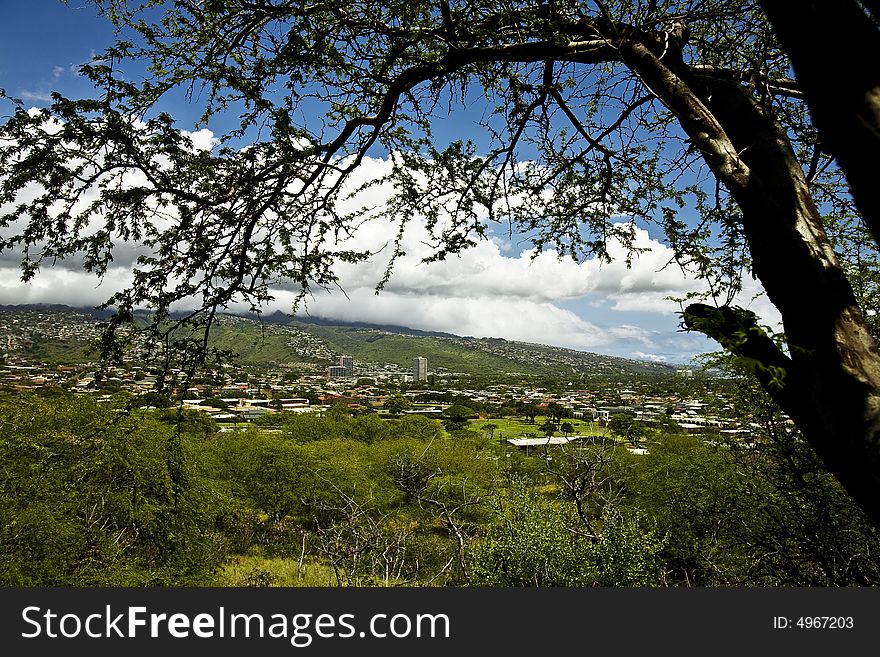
[
  {"x": 420, "y": 369},
  {"x": 336, "y": 371},
  {"x": 348, "y": 363}
]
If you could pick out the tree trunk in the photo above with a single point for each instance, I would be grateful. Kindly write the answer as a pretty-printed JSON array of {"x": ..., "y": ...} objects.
[
  {"x": 834, "y": 48},
  {"x": 829, "y": 381},
  {"x": 832, "y": 391}
]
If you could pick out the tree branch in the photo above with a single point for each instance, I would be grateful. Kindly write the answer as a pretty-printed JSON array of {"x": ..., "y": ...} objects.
[{"x": 738, "y": 332}]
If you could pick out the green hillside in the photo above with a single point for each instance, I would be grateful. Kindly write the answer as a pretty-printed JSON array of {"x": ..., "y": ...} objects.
[
  {"x": 486, "y": 356},
  {"x": 60, "y": 336},
  {"x": 378, "y": 347},
  {"x": 270, "y": 343}
]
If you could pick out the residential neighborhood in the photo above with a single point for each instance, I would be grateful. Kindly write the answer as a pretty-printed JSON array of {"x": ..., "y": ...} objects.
[{"x": 315, "y": 378}]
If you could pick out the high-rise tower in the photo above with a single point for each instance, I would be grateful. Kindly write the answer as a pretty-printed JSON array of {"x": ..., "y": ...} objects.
[{"x": 420, "y": 369}]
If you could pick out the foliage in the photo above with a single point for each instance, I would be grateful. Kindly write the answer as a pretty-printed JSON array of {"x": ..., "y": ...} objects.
[
  {"x": 248, "y": 571},
  {"x": 625, "y": 425},
  {"x": 90, "y": 496},
  {"x": 459, "y": 413},
  {"x": 190, "y": 421},
  {"x": 695, "y": 497},
  {"x": 397, "y": 404},
  {"x": 828, "y": 540},
  {"x": 756, "y": 512},
  {"x": 557, "y": 412},
  {"x": 530, "y": 411},
  {"x": 531, "y": 543},
  {"x": 591, "y": 474},
  {"x": 154, "y": 399},
  {"x": 528, "y": 544}
]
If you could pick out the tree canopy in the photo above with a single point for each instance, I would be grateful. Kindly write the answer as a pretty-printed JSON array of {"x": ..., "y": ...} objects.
[
  {"x": 678, "y": 113},
  {"x": 625, "y": 425}
]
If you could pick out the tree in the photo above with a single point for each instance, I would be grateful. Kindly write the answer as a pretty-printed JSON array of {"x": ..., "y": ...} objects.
[
  {"x": 566, "y": 428},
  {"x": 268, "y": 470},
  {"x": 843, "y": 97},
  {"x": 753, "y": 513},
  {"x": 457, "y": 416},
  {"x": 190, "y": 421},
  {"x": 506, "y": 411},
  {"x": 449, "y": 482},
  {"x": 548, "y": 428},
  {"x": 531, "y": 543},
  {"x": 696, "y": 500},
  {"x": 557, "y": 411},
  {"x": 530, "y": 411},
  {"x": 359, "y": 541},
  {"x": 625, "y": 425},
  {"x": 153, "y": 399},
  {"x": 805, "y": 530},
  {"x": 397, "y": 404},
  {"x": 459, "y": 413},
  {"x": 596, "y": 110}
]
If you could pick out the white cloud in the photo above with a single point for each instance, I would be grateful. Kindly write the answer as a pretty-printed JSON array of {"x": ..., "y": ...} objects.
[
  {"x": 33, "y": 96},
  {"x": 203, "y": 140},
  {"x": 55, "y": 285},
  {"x": 491, "y": 270},
  {"x": 755, "y": 299},
  {"x": 477, "y": 316}
]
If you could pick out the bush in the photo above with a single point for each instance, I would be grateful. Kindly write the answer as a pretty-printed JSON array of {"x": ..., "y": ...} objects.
[
  {"x": 91, "y": 496},
  {"x": 535, "y": 542}
]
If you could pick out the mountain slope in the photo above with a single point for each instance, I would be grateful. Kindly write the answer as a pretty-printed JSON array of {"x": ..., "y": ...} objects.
[
  {"x": 475, "y": 356},
  {"x": 60, "y": 334}
]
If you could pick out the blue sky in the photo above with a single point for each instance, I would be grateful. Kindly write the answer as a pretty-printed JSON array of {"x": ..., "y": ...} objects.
[
  {"x": 496, "y": 290},
  {"x": 41, "y": 43}
]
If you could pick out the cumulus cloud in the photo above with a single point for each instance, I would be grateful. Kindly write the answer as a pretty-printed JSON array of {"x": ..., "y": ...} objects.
[
  {"x": 492, "y": 268},
  {"x": 203, "y": 140},
  {"x": 477, "y": 316}
]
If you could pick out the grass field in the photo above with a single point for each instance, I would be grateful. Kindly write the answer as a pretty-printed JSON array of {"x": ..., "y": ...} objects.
[
  {"x": 521, "y": 428},
  {"x": 257, "y": 571},
  {"x": 505, "y": 427}
]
